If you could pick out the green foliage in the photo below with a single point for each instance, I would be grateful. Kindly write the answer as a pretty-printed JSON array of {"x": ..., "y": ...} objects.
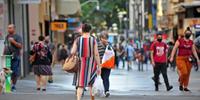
[{"x": 108, "y": 12}]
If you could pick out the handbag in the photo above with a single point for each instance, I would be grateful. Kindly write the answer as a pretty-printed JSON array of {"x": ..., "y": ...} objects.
[
  {"x": 191, "y": 59},
  {"x": 71, "y": 64}
]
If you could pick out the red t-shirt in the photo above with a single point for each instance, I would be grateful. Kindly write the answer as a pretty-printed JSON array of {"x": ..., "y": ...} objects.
[
  {"x": 185, "y": 47},
  {"x": 159, "y": 52}
]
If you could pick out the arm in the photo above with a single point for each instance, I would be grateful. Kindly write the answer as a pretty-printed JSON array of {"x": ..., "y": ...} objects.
[
  {"x": 174, "y": 50},
  {"x": 17, "y": 42},
  {"x": 195, "y": 52},
  {"x": 152, "y": 60},
  {"x": 96, "y": 55},
  {"x": 197, "y": 49},
  {"x": 18, "y": 45},
  {"x": 74, "y": 47}
]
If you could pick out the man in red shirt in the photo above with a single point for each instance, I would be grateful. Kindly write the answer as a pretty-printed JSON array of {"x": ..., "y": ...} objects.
[{"x": 159, "y": 61}]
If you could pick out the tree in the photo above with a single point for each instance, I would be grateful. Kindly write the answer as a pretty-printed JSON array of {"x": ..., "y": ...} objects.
[{"x": 108, "y": 12}]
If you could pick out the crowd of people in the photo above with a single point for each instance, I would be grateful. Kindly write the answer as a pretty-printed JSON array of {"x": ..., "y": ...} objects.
[{"x": 91, "y": 49}]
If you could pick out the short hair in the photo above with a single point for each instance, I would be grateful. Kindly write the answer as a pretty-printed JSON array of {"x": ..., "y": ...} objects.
[
  {"x": 188, "y": 30},
  {"x": 41, "y": 38},
  {"x": 12, "y": 25},
  {"x": 86, "y": 28},
  {"x": 103, "y": 35},
  {"x": 159, "y": 34}
]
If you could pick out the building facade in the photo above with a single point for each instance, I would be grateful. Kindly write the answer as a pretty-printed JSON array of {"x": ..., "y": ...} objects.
[{"x": 32, "y": 19}]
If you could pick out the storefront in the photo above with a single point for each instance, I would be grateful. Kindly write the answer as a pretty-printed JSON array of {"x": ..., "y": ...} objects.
[
  {"x": 13, "y": 12},
  {"x": 2, "y": 25}
]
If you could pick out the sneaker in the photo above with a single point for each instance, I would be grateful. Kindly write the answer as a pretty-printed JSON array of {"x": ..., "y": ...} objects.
[
  {"x": 169, "y": 88},
  {"x": 44, "y": 90},
  {"x": 38, "y": 89},
  {"x": 181, "y": 88},
  {"x": 13, "y": 89},
  {"x": 50, "y": 81},
  {"x": 186, "y": 90},
  {"x": 107, "y": 94}
]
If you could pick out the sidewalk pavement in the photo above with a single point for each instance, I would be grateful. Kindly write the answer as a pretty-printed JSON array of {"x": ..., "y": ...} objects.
[
  {"x": 122, "y": 83},
  {"x": 72, "y": 97}
]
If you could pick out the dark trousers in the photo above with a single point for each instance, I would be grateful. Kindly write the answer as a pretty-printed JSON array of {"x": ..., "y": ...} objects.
[
  {"x": 117, "y": 61},
  {"x": 105, "y": 74},
  {"x": 161, "y": 68},
  {"x": 15, "y": 66}
]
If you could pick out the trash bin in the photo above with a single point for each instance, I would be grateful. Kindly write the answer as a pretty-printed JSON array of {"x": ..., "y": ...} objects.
[{"x": 6, "y": 62}]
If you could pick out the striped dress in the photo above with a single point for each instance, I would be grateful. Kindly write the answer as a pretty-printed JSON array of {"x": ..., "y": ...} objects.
[{"x": 87, "y": 71}]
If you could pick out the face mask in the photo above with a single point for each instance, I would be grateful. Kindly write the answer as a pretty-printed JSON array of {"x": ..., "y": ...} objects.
[
  {"x": 187, "y": 36},
  {"x": 159, "y": 40}
]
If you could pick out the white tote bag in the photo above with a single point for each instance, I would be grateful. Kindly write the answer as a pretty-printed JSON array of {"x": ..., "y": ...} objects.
[{"x": 98, "y": 88}]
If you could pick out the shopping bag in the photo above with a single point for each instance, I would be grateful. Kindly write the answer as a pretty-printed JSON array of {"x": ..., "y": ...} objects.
[
  {"x": 98, "y": 88},
  {"x": 108, "y": 60}
]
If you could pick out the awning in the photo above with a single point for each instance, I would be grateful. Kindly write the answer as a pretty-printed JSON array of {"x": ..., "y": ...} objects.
[{"x": 67, "y": 7}]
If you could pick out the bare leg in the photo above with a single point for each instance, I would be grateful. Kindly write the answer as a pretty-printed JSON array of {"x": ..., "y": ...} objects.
[
  {"x": 50, "y": 78},
  {"x": 79, "y": 93},
  {"x": 38, "y": 80},
  {"x": 91, "y": 96},
  {"x": 43, "y": 82},
  {"x": 1, "y": 89}
]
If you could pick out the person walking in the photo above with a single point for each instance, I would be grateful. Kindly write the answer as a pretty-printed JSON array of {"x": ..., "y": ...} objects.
[
  {"x": 159, "y": 62},
  {"x": 13, "y": 45},
  {"x": 185, "y": 48},
  {"x": 197, "y": 45},
  {"x": 64, "y": 53},
  {"x": 86, "y": 47},
  {"x": 116, "y": 50},
  {"x": 130, "y": 52},
  {"x": 170, "y": 48},
  {"x": 121, "y": 51},
  {"x": 42, "y": 64},
  {"x": 50, "y": 48},
  {"x": 105, "y": 72}
]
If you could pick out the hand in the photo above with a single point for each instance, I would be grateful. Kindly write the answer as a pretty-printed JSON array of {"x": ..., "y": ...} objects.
[
  {"x": 11, "y": 39},
  {"x": 99, "y": 71},
  {"x": 153, "y": 63},
  {"x": 171, "y": 59}
]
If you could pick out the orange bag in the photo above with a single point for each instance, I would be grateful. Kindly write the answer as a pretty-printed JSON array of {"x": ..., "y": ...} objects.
[{"x": 108, "y": 60}]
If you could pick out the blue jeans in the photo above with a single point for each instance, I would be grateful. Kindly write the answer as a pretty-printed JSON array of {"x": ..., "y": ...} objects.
[
  {"x": 105, "y": 74},
  {"x": 15, "y": 66}
]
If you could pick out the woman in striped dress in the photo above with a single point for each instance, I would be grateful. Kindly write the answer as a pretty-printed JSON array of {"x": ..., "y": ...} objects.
[{"x": 86, "y": 46}]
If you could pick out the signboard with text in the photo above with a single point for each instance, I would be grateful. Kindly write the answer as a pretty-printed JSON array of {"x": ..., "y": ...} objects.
[{"x": 58, "y": 26}]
